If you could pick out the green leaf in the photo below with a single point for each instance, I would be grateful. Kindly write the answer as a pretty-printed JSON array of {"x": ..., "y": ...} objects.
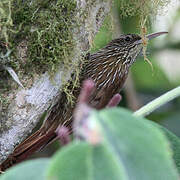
[
  {"x": 82, "y": 161},
  {"x": 29, "y": 170},
  {"x": 129, "y": 148},
  {"x": 105, "y": 165},
  {"x": 139, "y": 145},
  {"x": 174, "y": 142},
  {"x": 71, "y": 162}
]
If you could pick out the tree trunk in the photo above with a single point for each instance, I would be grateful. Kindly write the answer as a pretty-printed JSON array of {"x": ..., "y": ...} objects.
[{"x": 26, "y": 105}]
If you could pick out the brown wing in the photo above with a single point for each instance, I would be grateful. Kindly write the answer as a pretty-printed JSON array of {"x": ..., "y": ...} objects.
[{"x": 109, "y": 76}]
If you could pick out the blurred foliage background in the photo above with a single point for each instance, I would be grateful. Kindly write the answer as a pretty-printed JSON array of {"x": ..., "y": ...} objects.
[{"x": 144, "y": 83}]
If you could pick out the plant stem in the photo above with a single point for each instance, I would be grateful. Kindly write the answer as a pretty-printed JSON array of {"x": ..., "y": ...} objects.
[{"x": 155, "y": 104}]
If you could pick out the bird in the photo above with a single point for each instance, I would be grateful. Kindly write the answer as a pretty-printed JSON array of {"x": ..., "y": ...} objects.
[{"x": 108, "y": 68}]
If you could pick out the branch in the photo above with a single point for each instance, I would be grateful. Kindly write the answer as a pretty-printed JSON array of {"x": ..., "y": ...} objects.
[{"x": 155, "y": 104}]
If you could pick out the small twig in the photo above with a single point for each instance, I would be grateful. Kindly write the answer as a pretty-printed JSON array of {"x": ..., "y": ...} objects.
[{"x": 155, "y": 104}]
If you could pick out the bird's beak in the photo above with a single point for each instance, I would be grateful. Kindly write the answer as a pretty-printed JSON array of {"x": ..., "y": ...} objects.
[
  {"x": 154, "y": 35},
  {"x": 151, "y": 36}
]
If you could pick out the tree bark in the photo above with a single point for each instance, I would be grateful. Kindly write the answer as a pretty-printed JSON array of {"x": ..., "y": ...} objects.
[{"x": 28, "y": 104}]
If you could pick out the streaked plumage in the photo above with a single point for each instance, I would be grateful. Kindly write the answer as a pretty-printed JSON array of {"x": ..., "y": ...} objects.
[{"x": 108, "y": 68}]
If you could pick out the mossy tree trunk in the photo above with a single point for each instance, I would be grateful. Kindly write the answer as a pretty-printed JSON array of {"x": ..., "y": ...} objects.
[{"x": 43, "y": 65}]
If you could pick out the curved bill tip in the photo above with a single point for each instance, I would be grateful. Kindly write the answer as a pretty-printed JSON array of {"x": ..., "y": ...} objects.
[
  {"x": 154, "y": 35},
  {"x": 151, "y": 36}
]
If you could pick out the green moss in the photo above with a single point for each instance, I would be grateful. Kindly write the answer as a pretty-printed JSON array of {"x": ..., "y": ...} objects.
[
  {"x": 45, "y": 25},
  {"x": 145, "y": 10},
  {"x": 129, "y": 8},
  {"x": 39, "y": 36}
]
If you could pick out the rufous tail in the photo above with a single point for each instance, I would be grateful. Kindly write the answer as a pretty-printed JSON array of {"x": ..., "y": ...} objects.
[{"x": 32, "y": 144}]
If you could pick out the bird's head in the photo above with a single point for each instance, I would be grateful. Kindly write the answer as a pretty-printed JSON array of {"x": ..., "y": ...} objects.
[{"x": 128, "y": 46}]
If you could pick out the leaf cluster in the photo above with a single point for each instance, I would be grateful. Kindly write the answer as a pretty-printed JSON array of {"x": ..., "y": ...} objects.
[{"x": 129, "y": 147}]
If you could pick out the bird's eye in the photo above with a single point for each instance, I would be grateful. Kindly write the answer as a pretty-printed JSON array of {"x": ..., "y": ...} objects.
[{"x": 127, "y": 39}]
